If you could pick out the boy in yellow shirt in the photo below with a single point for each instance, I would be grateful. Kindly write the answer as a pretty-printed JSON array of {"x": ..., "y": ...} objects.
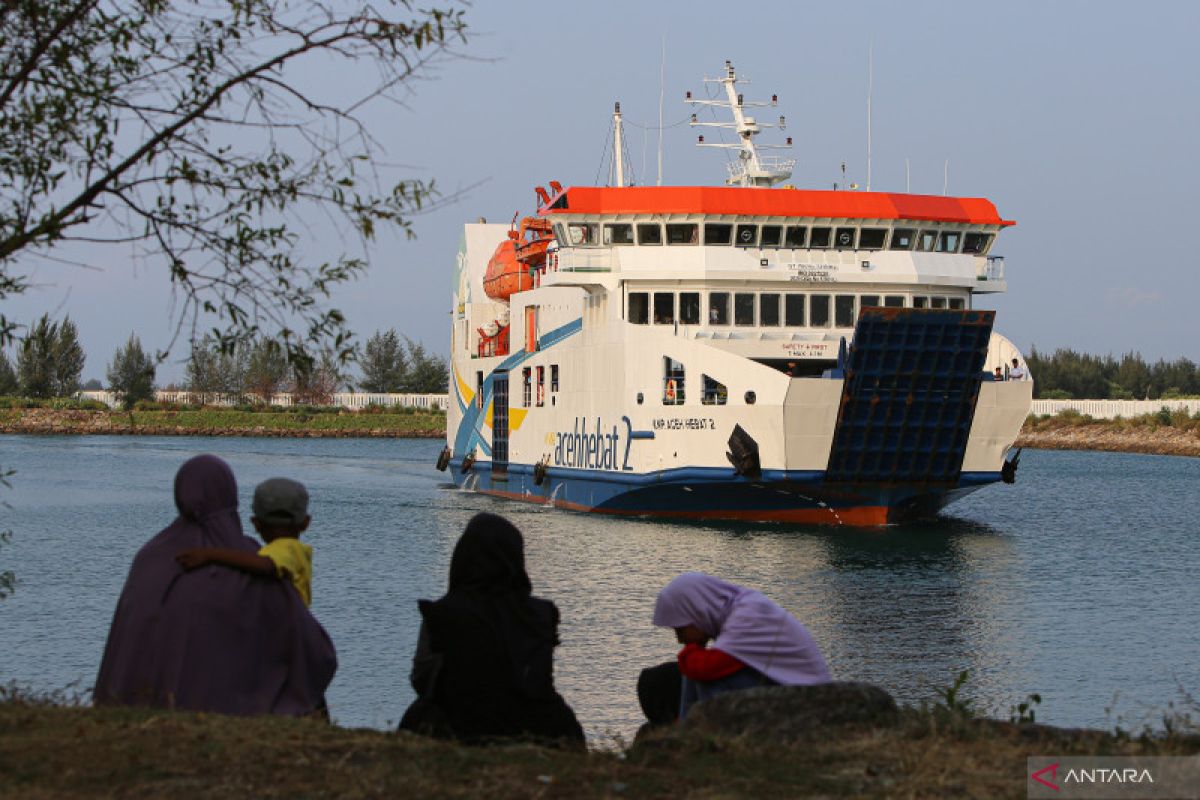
[{"x": 280, "y": 515}]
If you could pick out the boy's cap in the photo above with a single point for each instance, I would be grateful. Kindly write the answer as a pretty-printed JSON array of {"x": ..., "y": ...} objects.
[{"x": 280, "y": 501}]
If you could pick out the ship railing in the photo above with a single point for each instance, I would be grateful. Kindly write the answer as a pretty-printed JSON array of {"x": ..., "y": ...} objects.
[
  {"x": 991, "y": 269},
  {"x": 768, "y": 166},
  {"x": 584, "y": 259}
]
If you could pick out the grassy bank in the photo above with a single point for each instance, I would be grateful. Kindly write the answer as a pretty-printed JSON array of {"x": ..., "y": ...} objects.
[
  {"x": 1164, "y": 433},
  {"x": 1161, "y": 434},
  {"x": 209, "y": 421},
  {"x": 54, "y": 751}
]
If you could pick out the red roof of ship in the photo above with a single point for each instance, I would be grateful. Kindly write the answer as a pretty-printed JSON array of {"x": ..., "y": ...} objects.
[{"x": 743, "y": 201}]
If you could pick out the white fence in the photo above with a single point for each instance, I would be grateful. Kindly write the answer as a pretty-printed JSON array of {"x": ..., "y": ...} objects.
[
  {"x": 1109, "y": 409},
  {"x": 354, "y": 400}
]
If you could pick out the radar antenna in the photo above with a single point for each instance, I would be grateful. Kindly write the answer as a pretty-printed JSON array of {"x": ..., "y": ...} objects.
[{"x": 750, "y": 168}]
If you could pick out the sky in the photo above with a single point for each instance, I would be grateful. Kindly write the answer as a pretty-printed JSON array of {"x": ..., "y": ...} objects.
[{"x": 1076, "y": 119}]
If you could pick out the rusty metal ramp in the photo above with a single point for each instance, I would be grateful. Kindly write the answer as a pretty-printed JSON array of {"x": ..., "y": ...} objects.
[{"x": 912, "y": 378}]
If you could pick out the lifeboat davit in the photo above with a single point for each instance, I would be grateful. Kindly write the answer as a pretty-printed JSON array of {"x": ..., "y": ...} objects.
[{"x": 517, "y": 258}]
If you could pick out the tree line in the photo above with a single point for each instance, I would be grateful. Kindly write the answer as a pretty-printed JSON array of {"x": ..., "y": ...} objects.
[
  {"x": 49, "y": 362},
  {"x": 1066, "y": 374}
]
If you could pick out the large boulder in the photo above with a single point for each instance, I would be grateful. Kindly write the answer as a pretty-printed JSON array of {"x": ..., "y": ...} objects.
[{"x": 785, "y": 713}]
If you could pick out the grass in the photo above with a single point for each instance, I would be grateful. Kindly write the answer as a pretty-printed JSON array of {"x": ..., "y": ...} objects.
[
  {"x": 214, "y": 420},
  {"x": 49, "y": 750}
]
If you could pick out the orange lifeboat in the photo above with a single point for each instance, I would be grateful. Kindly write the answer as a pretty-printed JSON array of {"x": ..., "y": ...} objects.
[{"x": 517, "y": 258}]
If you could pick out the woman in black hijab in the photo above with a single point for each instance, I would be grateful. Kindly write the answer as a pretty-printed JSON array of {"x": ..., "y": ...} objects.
[{"x": 484, "y": 666}]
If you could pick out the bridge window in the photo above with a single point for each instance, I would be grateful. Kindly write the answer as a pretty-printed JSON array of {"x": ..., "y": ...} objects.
[
  {"x": 743, "y": 309},
  {"x": 956, "y": 303},
  {"x": 560, "y": 232},
  {"x": 903, "y": 238},
  {"x": 871, "y": 238},
  {"x": 718, "y": 233},
  {"x": 926, "y": 240},
  {"x": 818, "y": 311},
  {"x": 683, "y": 233},
  {"x": 795, "y": 236},
  {"x": 793, "y": 310},
  {"x": 949, "y": 241},
  {"x": 649, "y": 233},
  {"x": 920, "y": 302},
  {"x": 869, "y": 301},
  {"x": 639, "y": 308},
  {"x": 747, "y": 236},
  {"x": 894, "y": 301},
  {"x": 769, "y": 235},
  {"x": 541, "y": 386},
  {"x": 619, "y": 233},
  {"x": 718, "y": 308},
  {"x": 820, "y": 238},
  {"x": 715, "y": 393},
  {"x": 768, "y": 309},
  {"x": 527, "y": 387},
  {"x": 845, "y": 238},
  {"x": 664, "y": 308},
  {"x": 554, "y": 377},
  {"x": 582, "y": 234},
  {"x": 976, "y": 243},
  {"x": 689, "y": 308},
  {"x": 843, "y": 308},
  {"x": 673, "y": 379},
  {"x": 938, "y": 302}
]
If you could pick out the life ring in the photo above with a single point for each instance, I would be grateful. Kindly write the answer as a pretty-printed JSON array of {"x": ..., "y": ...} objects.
[
  {"x": 539, "y": 473},
  {"x": 467, "y": 462},
  {"x": 443, "y": 459},
  {"x": 670, "y": 395}
]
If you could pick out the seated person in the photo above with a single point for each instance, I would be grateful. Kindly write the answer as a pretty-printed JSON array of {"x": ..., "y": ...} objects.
[
  {"x": 754, "y": 641},
  {"x": 484, "y": 666}
]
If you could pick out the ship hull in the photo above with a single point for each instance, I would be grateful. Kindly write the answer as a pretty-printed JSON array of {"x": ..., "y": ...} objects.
[{"x": 716, "y": 494}]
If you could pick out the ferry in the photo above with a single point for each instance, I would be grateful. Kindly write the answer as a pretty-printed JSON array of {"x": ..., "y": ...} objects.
[{"x": 751, "y": 351}]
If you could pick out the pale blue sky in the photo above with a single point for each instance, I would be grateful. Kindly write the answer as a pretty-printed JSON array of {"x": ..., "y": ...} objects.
[{"x": 1077, "y": 119}]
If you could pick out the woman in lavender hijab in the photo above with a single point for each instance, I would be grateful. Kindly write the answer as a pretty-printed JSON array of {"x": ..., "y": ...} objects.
[
  {"x": 213, "y": 639},
  {"x": 754, "y": 641}
]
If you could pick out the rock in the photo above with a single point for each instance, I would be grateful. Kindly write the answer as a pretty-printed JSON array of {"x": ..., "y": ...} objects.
[{"x": 784, "y": 713}]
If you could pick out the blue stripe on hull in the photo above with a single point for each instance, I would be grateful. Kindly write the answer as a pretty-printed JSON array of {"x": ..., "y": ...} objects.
[{"x": 715, "y": 493}]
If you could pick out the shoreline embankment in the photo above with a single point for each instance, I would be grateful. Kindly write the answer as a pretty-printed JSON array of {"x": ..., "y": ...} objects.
[{"x": 1156, "y": 434}]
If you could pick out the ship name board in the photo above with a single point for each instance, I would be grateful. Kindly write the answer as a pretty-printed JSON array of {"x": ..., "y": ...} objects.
[
  {"x": 584, "y": 449},
  {"x": 812, "y": 273}
]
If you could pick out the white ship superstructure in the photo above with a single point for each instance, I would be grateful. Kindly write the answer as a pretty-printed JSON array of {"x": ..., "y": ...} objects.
[{"x": 738, "y": 352}]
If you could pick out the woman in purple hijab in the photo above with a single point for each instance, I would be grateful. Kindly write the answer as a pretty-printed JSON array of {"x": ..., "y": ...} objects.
[
  {"x": 754, "y": 641},
  {"x": 213, "y": 639}
]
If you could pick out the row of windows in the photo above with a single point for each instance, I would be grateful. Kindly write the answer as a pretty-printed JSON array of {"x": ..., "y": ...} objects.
[
  {"x": 815, "y": 237},
  {"x": 527, "y": 384},
  {"x": 768, "y": 309}
]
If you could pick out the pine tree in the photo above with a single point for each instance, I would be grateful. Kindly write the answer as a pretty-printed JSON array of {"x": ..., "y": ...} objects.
[
  {"x": 8, "y": 376},
  {"x": 383, "y": 363},
  {"x": 426, "y": 374},
  {"x": 315, "y": 383},
  {"x": 266, "y": 369},
  {"x": 131, "y": 373},
  {"x": 35, "y": 362},
  {"x": 68, "y": 359}
]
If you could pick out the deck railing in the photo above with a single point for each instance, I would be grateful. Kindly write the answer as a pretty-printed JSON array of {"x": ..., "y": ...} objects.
[{"x": 992, "y": 269}]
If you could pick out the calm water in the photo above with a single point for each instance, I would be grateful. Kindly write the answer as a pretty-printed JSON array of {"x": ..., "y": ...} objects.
[{"x": 1078, "y": 583}]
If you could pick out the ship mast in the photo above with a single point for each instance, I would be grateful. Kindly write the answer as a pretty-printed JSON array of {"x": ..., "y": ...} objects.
[
  {"x": 750, "y": 169},
  {"x": 618, "y": 144}
]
